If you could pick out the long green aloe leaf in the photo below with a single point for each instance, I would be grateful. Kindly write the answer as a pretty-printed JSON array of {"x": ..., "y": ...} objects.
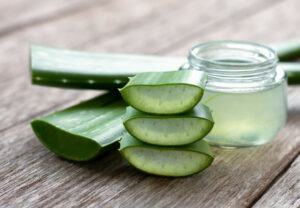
[
  {"x": 84, "y": 70},
  {"x": 166, "y": 161},
  {"x": 165, "y": 92},
  {"x": 74, "y": 69},
  {"x": 179, "y": 129},
  {"x": 84, "y": 131}
]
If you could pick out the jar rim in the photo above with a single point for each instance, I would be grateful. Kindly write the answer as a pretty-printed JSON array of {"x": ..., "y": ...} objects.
[
  {"x": 235, "y": 65},
  {"x": 269, "y": 53}
]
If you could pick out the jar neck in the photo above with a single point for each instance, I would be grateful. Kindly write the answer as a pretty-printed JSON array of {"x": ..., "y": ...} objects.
[{"x": 234, "y": 64}]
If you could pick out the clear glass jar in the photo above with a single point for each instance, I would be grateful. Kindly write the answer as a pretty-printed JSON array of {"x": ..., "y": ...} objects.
[{"x": 246, "y": 91}]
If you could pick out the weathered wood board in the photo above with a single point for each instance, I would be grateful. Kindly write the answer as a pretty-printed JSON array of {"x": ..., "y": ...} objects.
[
  {"x": 286, "y": 191},
  {"x": 31, "y": 176}
]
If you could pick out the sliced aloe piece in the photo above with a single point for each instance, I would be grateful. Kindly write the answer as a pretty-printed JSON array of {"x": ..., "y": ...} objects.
[
  {"x": 74, "y": 69},
  {"x": 166, "y": 161},
  {"x": 178, "y": 129},
  {"x": 165, "y": 92},
  {"x": 83, "y": 131}
]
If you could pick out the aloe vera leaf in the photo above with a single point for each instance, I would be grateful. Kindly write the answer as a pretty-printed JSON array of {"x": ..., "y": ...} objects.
[
  {"x": 74, "y": 69},
  {"x": 165, "y": 92},
  {"x": 83, "y": 131},
  {"x": 292, "y": 70},
  {"x": 288, "y": 50},
  {"x": 166, "y": 161},
  {"x": 178, "y": 129}
]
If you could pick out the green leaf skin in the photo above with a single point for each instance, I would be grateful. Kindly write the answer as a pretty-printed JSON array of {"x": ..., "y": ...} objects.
[
  {"x": 292, "y": 70},
  {"x": 84, "y": 131},
  {"x": 288, "y": 50},
  {"x": 169, "y": 130},
  {"x": 165, "y": 92},
  {"x": 166, "y": 161},
  {"x": 83, "y": 70}
]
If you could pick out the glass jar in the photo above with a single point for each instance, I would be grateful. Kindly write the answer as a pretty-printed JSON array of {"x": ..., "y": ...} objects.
[{"x": 246, "y": 91}]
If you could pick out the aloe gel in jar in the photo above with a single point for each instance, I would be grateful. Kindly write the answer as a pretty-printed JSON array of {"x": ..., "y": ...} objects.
[
  {"x": 246, "y": 119},
  {"x": 246, "y": 92}
]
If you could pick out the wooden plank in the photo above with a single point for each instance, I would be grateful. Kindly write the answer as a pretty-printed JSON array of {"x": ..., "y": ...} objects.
[
  {"x": 19, "y": 14},
  {"x": 192, "y": 22},
  {"x": 16, "y": 106},
  {"x": 264, "y": 27},
  {"x": 285, "y": 193},
  {"x": 17, "y": 45}
]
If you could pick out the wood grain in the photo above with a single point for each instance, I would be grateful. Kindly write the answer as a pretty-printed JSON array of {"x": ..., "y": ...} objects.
[
  {"x": 31, "y": 176},
  {"x": 192, "y": 22},
  {"x": 285, "y": 193},
  {"x": 19, "y": 14},
  {"x": 274, "y": 24}
]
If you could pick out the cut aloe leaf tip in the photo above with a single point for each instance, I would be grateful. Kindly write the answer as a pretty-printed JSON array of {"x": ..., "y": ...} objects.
[{"x": 84, "y": 131}]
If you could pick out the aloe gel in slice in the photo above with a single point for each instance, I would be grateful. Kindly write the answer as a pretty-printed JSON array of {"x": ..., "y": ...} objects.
[
  {"x": 165, "y": 92},
  {"x": 178, "y": 129},
  {"x": 84, "y": 131},
  {"x": 166, "y": 161}
]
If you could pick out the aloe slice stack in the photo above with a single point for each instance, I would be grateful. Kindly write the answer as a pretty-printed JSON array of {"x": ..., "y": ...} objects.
[{"x": 165, "y": 123}]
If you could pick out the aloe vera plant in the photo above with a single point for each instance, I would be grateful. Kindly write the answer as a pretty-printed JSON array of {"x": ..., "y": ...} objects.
[
  {"x": 84, "y": 131},
  {"x": 166, "y": 161},
  {"x": 179, "y": 129},
  {"x": 165, "y": 92}
]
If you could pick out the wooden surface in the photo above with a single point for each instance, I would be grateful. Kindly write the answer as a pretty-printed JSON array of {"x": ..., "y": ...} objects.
[{"x": 31, "y": 176}]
